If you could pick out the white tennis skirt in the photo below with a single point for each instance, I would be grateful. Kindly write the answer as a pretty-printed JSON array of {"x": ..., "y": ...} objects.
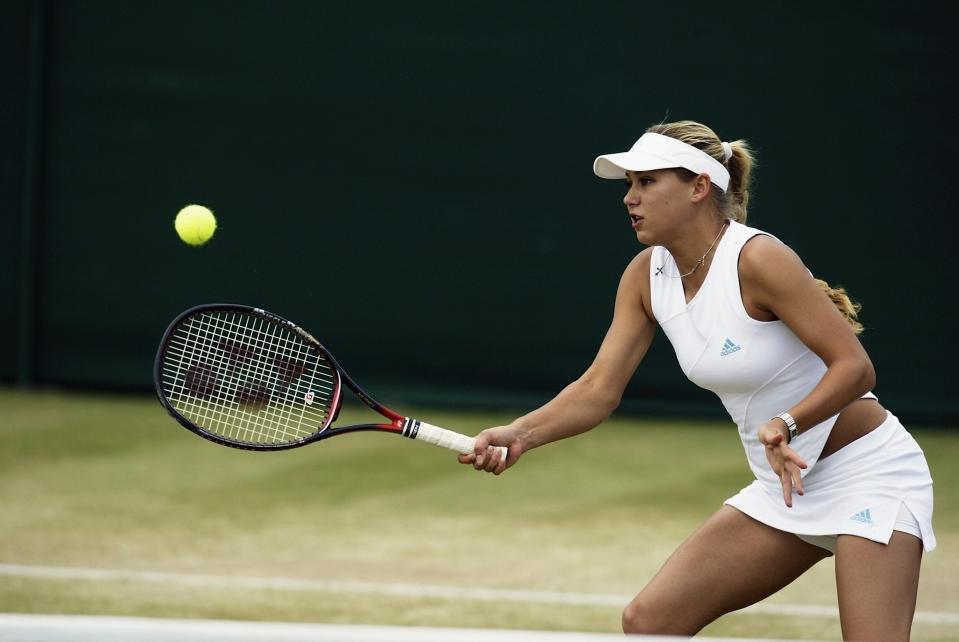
[{"x": 858, "y": 490}]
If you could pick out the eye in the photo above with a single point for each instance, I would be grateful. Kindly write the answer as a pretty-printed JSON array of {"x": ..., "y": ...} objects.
[{"x": 643, "y": 181}]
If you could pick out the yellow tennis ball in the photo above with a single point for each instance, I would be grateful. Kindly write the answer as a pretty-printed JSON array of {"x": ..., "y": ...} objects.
[{"x": 195, "y": 224}]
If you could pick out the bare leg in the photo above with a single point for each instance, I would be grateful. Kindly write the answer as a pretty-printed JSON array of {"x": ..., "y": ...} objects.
[
  {"x": 877, "y": 586},
  {"x": 730, "y": 562}
]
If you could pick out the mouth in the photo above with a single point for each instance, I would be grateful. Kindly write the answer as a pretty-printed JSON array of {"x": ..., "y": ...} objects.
[{"x": 635, "y": 219}]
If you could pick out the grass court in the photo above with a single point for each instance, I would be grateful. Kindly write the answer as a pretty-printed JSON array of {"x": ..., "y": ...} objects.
[{"x": 351, "y": 529}]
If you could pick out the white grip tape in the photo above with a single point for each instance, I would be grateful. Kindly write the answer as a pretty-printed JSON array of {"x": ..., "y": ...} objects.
[{"x": 448, "y": 439}]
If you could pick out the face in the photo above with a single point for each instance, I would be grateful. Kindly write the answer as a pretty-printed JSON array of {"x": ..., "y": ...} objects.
[{"x": 659, "y": 202}]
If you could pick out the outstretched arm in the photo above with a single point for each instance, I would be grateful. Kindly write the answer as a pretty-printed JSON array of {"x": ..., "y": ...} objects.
[{"x": 590, "y": 399}]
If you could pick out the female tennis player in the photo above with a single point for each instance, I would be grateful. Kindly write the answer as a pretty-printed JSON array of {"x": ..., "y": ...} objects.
[{"x": 836, "y": 473}]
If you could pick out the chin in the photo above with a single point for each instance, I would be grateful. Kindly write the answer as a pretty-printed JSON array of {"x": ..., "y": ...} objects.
[{"x": 645, "y": 237}]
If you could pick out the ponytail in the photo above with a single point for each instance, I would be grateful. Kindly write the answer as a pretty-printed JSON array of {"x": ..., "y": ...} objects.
[
  {"x": 847, "y": 307},
  {"x": 734, "y": 202}
]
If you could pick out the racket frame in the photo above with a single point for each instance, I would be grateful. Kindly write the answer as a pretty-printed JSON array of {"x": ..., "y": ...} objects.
[{"x": 400, "y": 425}]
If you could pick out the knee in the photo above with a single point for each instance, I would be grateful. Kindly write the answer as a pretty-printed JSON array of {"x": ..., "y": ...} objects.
[
  {"x": 640, "y": 617},
  {"x": 645, "y": 616}
]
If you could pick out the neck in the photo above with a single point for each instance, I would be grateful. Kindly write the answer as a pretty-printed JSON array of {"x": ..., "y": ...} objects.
[{"x": 693, "y": 251}]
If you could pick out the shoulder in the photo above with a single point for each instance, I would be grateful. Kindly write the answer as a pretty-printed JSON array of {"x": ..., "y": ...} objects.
[
  {"x": 768, "y": 263},
  {"x": 636, "y": 273},
  {"x": 634, "y": 284},
  {"x": 640, "y": 262},
  {"x": 763, "y": 251}
]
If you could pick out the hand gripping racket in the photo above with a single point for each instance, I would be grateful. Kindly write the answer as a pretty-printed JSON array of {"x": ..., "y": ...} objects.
[{"x": 246, "y": 378}]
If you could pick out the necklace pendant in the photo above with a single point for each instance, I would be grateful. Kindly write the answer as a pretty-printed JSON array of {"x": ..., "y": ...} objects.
[{"x": 701, "y": 261}]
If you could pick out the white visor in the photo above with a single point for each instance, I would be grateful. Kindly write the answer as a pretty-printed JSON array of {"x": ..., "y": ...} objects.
[{"x": 655, "y": 151}]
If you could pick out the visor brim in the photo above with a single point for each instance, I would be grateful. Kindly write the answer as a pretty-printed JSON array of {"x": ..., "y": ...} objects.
[{"x": 615, "y": 166}]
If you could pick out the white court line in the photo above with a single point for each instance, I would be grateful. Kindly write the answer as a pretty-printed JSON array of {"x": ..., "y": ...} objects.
[
  {"x": 406, "y": 590},
  {"x": 73, "y": 628}
]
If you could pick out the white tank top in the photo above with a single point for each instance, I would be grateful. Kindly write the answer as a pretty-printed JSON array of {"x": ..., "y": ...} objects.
[{"x": 757, "y": 368}]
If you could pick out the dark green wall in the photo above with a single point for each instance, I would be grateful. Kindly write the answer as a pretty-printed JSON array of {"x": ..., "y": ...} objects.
[
  {"x": 412, "y": 181},
  {"x": 14, "y": 71}
]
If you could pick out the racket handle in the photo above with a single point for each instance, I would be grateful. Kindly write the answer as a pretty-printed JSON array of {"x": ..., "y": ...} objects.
[{"x": 422, "y": 431}]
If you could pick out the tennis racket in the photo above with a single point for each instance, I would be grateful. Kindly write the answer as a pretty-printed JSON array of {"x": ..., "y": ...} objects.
[{"x": 246, "y": 378}]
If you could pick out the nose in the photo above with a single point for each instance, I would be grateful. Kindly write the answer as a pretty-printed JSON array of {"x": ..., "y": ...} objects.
[{"x": 632, "y": 197}]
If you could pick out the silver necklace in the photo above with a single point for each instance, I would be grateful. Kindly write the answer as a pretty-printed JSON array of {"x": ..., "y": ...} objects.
[{"x": 699, "y": 263}]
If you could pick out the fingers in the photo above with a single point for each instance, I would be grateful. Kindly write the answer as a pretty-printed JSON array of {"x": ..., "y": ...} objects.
[
  {"x": 492, "y": 461},
  {"x": 771, "y": 440},
  {"x": 791, "y": 478},
  {"x": 487, "y": 454},
  {"x": 480, "y": 447},
  {"x": 796, "y": 475},
  {"x": 792, "y": 457},
  {"x": 787, "y": 482},
  {"x": 784, "y": 461}
]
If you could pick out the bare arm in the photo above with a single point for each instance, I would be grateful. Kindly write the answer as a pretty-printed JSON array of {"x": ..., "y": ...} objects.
[
  {"x": 775, "y": 283},
  {"x": 774, "y": 279},
  {"x": 589, "y": 400}
]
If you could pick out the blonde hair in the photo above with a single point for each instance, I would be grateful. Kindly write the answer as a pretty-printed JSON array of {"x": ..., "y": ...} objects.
[
  {"x": 732, "y": 204},
  {"x": 847, "y": 307}
]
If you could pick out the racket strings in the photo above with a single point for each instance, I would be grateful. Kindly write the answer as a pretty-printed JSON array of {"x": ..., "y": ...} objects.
[{"x": 247, "y": 379}]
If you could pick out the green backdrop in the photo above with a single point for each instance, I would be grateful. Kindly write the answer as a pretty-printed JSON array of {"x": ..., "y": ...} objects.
[{"x": 412, "y": 183}]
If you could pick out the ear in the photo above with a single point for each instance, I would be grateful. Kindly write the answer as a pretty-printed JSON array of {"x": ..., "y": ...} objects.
[{"x": 702, "y": 188}]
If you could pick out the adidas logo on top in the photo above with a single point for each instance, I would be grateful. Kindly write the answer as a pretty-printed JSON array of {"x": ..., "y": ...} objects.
[
  {"x": 729, "y": 347},
  {"x": 863, "y": 517}
]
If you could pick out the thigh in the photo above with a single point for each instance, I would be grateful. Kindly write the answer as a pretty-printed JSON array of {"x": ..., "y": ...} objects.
[
  {"x": 877, "y": 586},
  {"x": 730, "y": 562}
]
